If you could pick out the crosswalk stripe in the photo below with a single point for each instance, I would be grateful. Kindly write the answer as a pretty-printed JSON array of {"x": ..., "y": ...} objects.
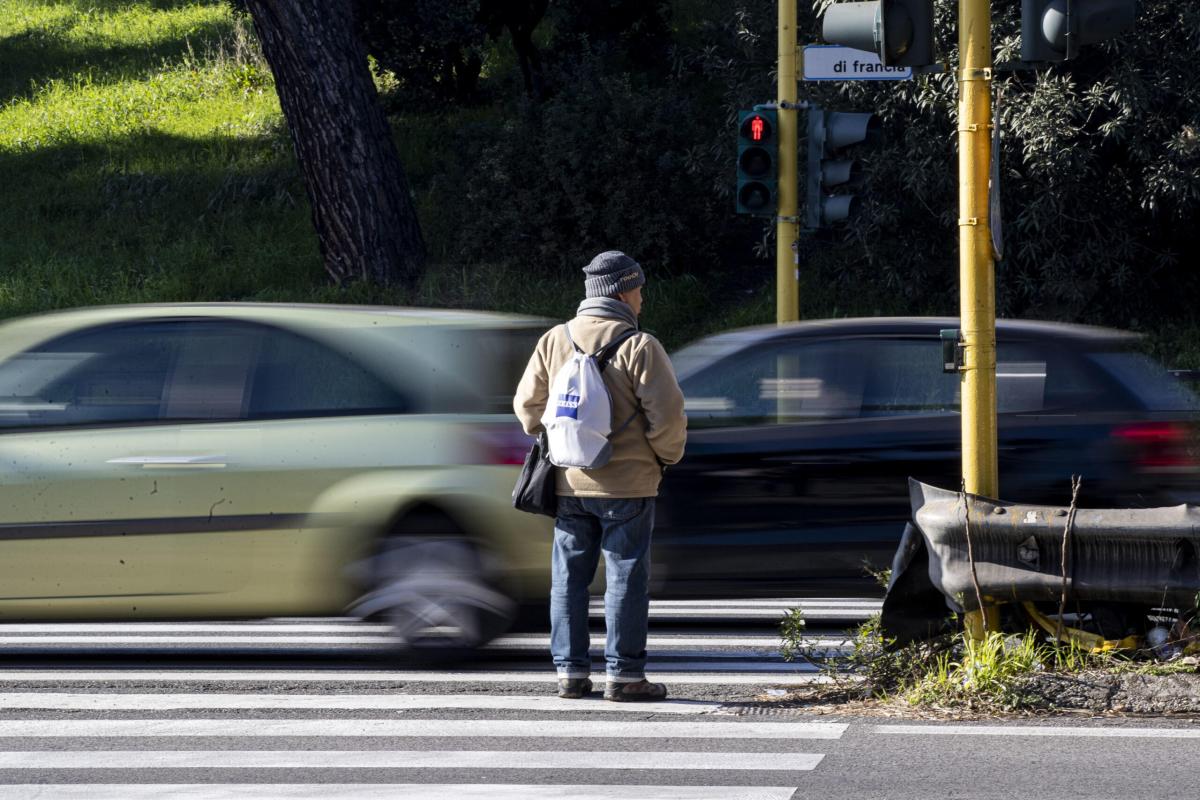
[
  {"x": 404, "y": 759},
  {"x": 377, "y": 702},
  {"x": 1039, "y": 730},
  {"x": 784, "y": 602},
  {"x": 502, "y": 643},
  {"x": 343, "y": 625},
  {"x": 108, "y": 640},
  {"x": 388, "y": 791},
  {"x": 554, "y": 729},
  {"x": 801, "y": 675}
]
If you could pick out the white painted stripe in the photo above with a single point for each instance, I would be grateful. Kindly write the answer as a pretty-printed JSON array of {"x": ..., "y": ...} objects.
[
  {"x": 556, "y": 729},
  {"x": 378, "y": 702},
  {"x": 1040, "y": 730},
  {"x": 764, "y": 667},
  {"x": 344, "y": 627},
  {"x": 766, "y": 642},
  {"x": 336, "y": 676},
  {"x": 387, "y": 791},
  {"x": 814, "y": 614},
  {"x": 403, "y": 759},
  {"x": 106, "y": 640},
  {"x": 784, "y": 602},
  {"x": 503, "y": 643}
]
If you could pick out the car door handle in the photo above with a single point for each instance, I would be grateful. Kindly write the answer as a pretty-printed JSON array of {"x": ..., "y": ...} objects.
[{"x": 175, "y": 462}]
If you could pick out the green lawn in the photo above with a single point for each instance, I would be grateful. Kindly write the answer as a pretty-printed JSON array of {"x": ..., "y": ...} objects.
[{"x": 142, "y": 157}]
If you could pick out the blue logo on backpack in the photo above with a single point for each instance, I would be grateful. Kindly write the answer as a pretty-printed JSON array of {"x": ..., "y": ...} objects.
[{"x": 568, "y": 406}]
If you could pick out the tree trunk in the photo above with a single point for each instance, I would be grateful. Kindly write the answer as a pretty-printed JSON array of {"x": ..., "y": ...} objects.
[{"x": 365, "y": 219}]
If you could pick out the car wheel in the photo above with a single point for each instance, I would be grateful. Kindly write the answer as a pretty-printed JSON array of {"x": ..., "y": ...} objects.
[{"x": 440, "y": 594}]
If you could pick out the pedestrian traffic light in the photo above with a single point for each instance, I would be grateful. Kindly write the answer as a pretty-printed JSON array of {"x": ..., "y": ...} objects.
[
  {"x": 900, "y": 31},
  {"x": 1054, "y": 30},
  {"x": 829, "y": 134},
  {"x": 757, "y": 162}
]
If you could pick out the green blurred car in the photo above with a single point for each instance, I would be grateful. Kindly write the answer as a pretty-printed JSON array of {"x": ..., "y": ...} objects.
[{"x": 246, "y": 460}]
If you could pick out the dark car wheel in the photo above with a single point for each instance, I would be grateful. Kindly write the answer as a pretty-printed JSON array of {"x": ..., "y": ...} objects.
[{"x": 441, "y": 594}]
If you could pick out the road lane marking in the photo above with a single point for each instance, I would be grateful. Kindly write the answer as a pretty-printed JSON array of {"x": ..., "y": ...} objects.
[
  {"x": 404, "y": 759},
  {"x": 513, "y": 642},
  {"x": 555, "y": 729},
  {"x": 375, "y": 702},
  {"x": 1039, "y": 730},
  {"x": 342, "y": 626},
  {"x": 545, "y": 676},
  {"x": 388, "y": 791},
  {"x": 107, "y": 640}
]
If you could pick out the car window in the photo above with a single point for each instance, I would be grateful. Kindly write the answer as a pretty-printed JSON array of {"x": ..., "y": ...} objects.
[
  {"x": 1036, "y": 377},
  {"x": 817, "y": 380},
  {"x": 298, "y": 377},
  {"x": 500, "y": 356},
  {"x": 905, "y": 377},
  {"x": 109, "y": 375},
  {"x": 1155, "y": 387},
  {"x": 213, "y": 363}
]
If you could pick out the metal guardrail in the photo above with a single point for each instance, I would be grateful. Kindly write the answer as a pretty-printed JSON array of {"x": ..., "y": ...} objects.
[{"x": 1143, "y": 556}]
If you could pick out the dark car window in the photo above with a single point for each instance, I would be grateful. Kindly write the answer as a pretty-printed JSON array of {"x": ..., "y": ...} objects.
[
  {"x": 817, "y": 380},
  {"x": 1155, "y": 388},
  {"x": 880, "y": 377},
  {"x": 905, "y": 377},
  {"x": 299, "y": 377},
  {"x": 106, "y": 376},
  {"x": 118, "y": 374},
  {"x": 1033, "y": 377},
  {"x": 185, "y": 370},
  {"x": 502, "y": 356}
]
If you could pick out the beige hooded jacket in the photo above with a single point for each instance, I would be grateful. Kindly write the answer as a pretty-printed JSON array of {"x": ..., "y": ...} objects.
[{"x": 639, "y": 371}]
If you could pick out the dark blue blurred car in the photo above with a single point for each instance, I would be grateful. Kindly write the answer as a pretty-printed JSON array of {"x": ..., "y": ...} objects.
[{"x": 802, "y": 439}]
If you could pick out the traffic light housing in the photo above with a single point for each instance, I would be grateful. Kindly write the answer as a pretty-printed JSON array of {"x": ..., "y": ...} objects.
[
  {"x": 900, "y": 31},
  {"x": 757, "y": 162},
  {"x": 1054, "y": 30},
  {"x": 829, "y": 134}
]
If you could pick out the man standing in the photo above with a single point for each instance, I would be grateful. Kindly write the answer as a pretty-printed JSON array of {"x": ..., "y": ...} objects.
[{"x": 609, "y": 508}]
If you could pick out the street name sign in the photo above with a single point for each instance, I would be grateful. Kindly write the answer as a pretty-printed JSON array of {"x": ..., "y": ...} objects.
[{"x": 829, "y": 62}]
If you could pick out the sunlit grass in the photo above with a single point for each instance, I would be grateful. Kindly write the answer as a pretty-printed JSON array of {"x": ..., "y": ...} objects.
[{"x": 145, "y": 160}]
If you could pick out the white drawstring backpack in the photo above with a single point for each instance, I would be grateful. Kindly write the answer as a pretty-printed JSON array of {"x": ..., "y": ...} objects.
[{"x": 578, "y": 416}]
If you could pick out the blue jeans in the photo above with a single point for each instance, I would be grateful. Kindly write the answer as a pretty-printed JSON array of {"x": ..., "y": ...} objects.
[{"x": 621, "y": 528}]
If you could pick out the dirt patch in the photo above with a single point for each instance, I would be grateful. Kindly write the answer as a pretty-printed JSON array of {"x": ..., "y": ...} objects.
[{"x": 1051, "y": 694}]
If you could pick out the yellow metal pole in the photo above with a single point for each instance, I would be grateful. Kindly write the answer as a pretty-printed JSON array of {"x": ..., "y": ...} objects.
[
  {"x": 787, "y": 231},
  {"x": 977, "y": 268}
]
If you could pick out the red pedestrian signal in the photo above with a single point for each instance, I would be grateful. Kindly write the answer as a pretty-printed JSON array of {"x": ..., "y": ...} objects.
[{"x": 757, "y": 164}]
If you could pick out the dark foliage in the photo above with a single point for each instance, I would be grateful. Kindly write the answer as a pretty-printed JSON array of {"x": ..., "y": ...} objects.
[{"x": 631, "y": 145}]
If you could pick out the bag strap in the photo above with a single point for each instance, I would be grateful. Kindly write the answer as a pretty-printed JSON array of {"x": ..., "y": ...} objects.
[
  {"x": 605, "y": 354},
  {"x": 567, "y": 329},
  {"x": 627, "y": 422}
]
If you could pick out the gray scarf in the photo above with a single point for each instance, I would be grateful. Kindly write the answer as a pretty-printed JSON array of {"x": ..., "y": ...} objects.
[{"x": 607, "y": 308}]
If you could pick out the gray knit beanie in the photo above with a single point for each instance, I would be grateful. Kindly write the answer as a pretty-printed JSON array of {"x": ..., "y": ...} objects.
[{"x": 612, "y": 272}]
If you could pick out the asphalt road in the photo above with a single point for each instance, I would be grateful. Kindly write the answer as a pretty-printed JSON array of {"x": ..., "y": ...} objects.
[{"x": 312, "y": 708}]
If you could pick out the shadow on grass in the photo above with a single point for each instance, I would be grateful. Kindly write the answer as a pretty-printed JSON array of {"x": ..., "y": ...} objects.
[
  {"x": 30, "y": 59},
  {"x": 154, "y": 217}
]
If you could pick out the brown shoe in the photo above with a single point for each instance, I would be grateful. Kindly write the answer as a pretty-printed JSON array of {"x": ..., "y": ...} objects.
[
  {"x": 637, "y": 692},
  {"x": 574, "y": 688}
]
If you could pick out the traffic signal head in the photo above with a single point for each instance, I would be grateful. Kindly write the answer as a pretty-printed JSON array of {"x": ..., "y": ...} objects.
[
  {"x": 757, "y": 162},
  {"x": 900, "y": 31},
  {"x": 1054, "y": 30},
  {"x": 830, "y": 132}
]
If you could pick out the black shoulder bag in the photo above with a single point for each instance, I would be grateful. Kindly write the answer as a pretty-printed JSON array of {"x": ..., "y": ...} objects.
[{"x": 535, "y": 489}]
